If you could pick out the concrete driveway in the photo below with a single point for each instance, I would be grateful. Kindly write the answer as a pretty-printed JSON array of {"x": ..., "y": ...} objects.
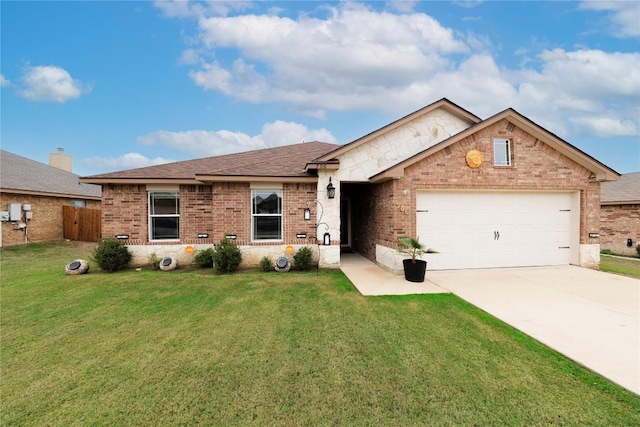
[{"x": 589, "y": 316}]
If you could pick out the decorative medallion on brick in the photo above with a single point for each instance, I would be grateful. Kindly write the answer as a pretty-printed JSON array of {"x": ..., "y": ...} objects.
[{"x": 474, "y": 158}]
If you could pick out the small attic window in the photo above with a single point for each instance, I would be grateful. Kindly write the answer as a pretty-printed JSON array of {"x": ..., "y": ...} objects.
[
  {"x": 78, "y": 203},
  {"x": 501, "y": 152}
]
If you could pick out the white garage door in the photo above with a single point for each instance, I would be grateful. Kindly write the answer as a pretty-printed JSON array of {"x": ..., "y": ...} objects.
[{"x": 495, "y": 229}]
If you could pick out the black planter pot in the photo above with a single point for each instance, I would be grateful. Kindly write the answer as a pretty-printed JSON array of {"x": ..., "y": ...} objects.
[{"x": 414, "y": 272}]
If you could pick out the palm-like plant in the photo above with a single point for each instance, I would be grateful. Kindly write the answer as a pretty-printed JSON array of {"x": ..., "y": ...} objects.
[{"x": 413, "y": 247}]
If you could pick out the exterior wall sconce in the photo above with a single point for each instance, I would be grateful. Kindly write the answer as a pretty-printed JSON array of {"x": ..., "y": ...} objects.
[
  {"x": 307, "y": 214},
  {"x": 122, "y": 236},
  {"x": 331, "y": 190},
  {"x": 202, "y": 235},
  {"x": 326, "y": 240}
]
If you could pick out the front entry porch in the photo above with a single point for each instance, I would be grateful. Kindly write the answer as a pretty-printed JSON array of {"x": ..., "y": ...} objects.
[{"x": 372, "y": 280}]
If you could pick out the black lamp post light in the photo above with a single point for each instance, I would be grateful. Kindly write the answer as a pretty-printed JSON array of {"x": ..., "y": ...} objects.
[{"x": 331, "y": 190}]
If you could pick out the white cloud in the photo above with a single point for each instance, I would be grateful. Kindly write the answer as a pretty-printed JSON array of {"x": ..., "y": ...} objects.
[
  {"x": 623, "y": 19},
  {"x": 4, "y": 81},
  {"x": 50, "y": 84},
  {"x": 127, "y": 161},
  {"x": 605, "y": 127},
  {"x": 344, "y": 62},
  {"x": 354, "y": 58},
  {"x": 402, "y": 5},
  {"x": 574, "y": 90},
  {"x": 182, "y": 8},
  {"x": 201, "y": 143}
]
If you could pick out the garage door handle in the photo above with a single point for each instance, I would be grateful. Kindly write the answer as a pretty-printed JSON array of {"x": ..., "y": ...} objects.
[{"x": 496, "y": 235}]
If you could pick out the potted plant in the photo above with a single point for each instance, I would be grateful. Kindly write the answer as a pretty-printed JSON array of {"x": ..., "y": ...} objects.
[{"x": 414, "y": 269}]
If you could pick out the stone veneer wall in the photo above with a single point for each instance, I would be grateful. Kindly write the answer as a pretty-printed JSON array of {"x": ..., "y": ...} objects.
[
  {"x": 218, "y": 209},
  {"x": 617, "y": 224},
  {"x": 47, "y": 222},
  {"x": 535, "y": 166}
]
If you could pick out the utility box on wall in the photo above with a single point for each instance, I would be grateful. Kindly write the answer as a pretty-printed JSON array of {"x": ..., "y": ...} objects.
[{"x": 15, "y": 211}]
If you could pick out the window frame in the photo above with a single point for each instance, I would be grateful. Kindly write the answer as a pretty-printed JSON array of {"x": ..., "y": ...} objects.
[
  {"x": 505, "y": 146},
  {"x": 152, "y": 215},
  {"x": 279, "y": 215}
]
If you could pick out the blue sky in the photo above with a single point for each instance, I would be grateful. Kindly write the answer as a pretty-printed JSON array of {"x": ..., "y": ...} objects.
[{"x": 123, "y": 84}]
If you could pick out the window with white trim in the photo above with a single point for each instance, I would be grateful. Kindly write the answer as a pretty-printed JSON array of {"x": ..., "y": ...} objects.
[
  {"x": 266, "y": 214},
  {"x": 164, "y": 215},
  {"x": 501, "y": 152}
]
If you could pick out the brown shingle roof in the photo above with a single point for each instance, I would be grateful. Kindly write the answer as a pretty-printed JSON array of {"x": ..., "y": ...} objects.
[
  {"x": 285, "y": 161},
  {"x": 624, "y": 191},
  {"x": 21, "y": 175}
]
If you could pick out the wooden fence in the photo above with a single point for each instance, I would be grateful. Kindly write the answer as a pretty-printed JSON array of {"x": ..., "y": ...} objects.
[{"x": 81, "y": 224}]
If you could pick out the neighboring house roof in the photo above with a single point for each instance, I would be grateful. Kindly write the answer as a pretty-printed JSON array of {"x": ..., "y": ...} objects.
[
  {"x": 25, "y": 176},
  {"x": 443, "y": 103},
  {"x": 600, "y": 170},
  {"x": 285, "y": 163},
  {"x": 625, "y": 191}
]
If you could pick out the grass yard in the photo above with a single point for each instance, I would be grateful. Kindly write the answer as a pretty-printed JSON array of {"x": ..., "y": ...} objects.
[
  {"x": 620, "y": 265},
  {"x": 190, "y": 347}
]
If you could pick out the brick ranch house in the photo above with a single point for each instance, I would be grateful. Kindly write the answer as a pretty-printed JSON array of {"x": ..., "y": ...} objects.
[
  {"x": 620, "y": 214},
  {"x": 484, "y": 193},
  {"x": 45, "y": 189}
]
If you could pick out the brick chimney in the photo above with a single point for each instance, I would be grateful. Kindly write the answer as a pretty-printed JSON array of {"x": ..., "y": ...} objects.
[{"x": 61, "y": 160}]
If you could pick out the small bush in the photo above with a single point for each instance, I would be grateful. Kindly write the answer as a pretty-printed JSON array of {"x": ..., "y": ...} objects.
[
  {"x": 302, "y": 259},
  {"x": 266, "y": 264},
  {"x": 227, "y": 256},
  {"x": 154, "y": 261},
  {"x": 111, "y": 254},
  {"x": 606, "y": 252},
  {"x": 204, "y": 258}
]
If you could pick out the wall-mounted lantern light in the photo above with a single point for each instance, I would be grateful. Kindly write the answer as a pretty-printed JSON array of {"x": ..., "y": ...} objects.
[
  {"x": 331, "y": 190},
  {"x": 307, "y": 214},
  {"x": 203, "y": 235},
  {"x": 326, "y": 240},
  {"x": 122, "y": 236}
]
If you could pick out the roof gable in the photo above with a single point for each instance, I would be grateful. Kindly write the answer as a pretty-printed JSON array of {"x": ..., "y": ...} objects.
[
  {"x": 25, "y": 176},
  {"x": 601, "y": 171},
  {"x": 443, "y": 103}
]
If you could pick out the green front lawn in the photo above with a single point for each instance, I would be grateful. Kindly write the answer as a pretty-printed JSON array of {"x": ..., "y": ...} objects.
[
  {"x": 620, "y": 265},
  {"x": 189, "y": 347}
]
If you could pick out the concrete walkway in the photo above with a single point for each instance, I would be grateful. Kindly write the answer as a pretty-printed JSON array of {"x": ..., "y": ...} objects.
[
  {"x": 589, "y": 316},
  {"x": 371, "y": 280}
]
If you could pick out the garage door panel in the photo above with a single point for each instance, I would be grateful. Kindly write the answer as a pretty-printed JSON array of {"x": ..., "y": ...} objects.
[{"x": 494, "y": 229}]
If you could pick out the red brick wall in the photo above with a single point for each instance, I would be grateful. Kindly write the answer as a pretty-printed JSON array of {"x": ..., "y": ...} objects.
[
  {"x": 295, "y": 201},
  {"x": 124, "y": 211},
  {"x": 534, "y": 166},
  {"x": 617, "y": 224},
  {"x": 47, "y": 223},
  {"x": 217, "y": 209},
  {"x": 375, "y": 221}
]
